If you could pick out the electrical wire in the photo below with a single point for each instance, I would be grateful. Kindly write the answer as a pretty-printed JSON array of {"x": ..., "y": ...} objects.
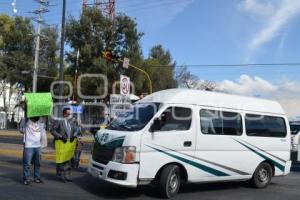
[{"x": 230, "y": 65}]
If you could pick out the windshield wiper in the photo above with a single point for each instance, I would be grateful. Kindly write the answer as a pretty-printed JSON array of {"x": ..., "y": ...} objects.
[{"x": 124, "y": 127}]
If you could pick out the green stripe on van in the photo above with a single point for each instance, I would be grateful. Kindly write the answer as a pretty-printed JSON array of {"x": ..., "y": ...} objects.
[
  {"x": 276, "y": 164},
  {"x": 194, "y": 164},
  {"x": 209, "y": 162}
]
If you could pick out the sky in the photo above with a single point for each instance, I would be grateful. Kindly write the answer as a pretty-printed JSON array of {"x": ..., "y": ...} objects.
[{"x": 209, "y": 32}]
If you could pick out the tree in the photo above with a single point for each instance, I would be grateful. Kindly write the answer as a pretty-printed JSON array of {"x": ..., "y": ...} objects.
[
  {"x": 6, "y": 25},
  {"x": 16, "y": 50},
  {"x": 17, "y": 53},
  {"x": 47, "y": 60},
  {"x": 94, "y": 33},
  {"x": 186, "y": 79},
  {"x": 160, "y": 68}
]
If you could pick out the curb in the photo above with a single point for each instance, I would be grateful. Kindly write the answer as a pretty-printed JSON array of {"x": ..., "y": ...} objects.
[{"x": 48, "y": 157}]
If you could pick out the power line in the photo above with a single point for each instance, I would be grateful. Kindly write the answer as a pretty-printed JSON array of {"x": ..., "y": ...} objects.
[{"x": 228, "y": 65}]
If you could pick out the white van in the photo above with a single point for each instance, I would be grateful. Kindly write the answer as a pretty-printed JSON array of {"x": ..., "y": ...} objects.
[{"x": 177, "y": 136}]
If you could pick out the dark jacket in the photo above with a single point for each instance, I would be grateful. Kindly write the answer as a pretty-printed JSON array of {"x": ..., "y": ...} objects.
[{"x": 59, "y": 129}]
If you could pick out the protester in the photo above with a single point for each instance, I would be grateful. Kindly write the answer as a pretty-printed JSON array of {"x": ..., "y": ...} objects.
[
  {"x": 64, "y": 130},
  {"x": 99, "y": 123},
  {"x": 34, "y": 133},
  {"x": 78, "y": 150}
]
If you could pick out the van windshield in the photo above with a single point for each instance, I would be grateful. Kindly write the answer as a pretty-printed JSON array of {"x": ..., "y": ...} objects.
[{"x": 136, "y": 118}]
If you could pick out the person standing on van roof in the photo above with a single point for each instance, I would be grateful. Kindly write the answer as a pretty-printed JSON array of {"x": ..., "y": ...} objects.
[
  {"x": 65, "y": 130},
  {"x": 34, "y": 132}
]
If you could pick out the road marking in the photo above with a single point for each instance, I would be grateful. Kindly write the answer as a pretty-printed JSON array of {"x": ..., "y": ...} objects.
[
  {"x": 19, "y": 154},
  {"x": 16, "y": 134}
]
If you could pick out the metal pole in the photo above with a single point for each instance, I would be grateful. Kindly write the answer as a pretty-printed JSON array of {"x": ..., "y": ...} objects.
[
  {"x": 37, "y": 52},
  {"x": 62, "y": 46},
  {"x": 75, "y": 76},
  {"x": 144, "y": 72}
]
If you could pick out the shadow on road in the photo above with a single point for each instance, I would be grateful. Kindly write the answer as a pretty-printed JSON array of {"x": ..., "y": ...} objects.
[
  {"x": 105, "y": 190},
  {"x": 11, "y": 173}
]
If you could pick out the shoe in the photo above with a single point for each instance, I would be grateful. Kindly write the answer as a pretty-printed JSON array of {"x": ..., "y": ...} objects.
[
  {"x": 38, "y": 180},
  {"x": 68, "y": 179},
  {"x": 26, "y": 182},
  {"x": 62, "y": 179}
]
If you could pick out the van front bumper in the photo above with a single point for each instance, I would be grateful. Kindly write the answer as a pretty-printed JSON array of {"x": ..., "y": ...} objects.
[{"x": 117, "y": 173}]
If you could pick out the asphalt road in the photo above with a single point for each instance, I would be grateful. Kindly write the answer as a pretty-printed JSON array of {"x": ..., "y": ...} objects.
[{"x": 86, "y": 187}]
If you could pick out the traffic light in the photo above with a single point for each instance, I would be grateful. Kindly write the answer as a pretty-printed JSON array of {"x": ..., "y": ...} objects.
[{"x": 109, "y": 56}]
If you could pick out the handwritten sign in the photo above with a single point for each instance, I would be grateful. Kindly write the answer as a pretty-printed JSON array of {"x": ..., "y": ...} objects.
[
  {"x": 38, "y": 104},
  {"x": 64, "y": 151}
]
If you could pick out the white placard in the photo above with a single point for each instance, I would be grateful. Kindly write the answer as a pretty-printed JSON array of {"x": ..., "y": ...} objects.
[{"x": 119, "y": 99}]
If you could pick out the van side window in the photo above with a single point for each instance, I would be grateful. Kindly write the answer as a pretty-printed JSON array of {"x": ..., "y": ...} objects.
[
  {"x": 265, "y": 126},
  {"x": 175, "y": 118},
  {"x": 220, "y": 123}
]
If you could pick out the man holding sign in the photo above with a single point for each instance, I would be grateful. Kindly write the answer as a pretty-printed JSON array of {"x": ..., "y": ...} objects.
[
  {"x": 36, "y": 105},
  {"x": 64, "y": 132},
  {"x": 34, "y": 132}
]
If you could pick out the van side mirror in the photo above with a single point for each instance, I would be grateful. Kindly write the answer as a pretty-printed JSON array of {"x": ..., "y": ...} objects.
[
  {"x": 294, "y": 132},
  {"x": 155, "y": 126}
]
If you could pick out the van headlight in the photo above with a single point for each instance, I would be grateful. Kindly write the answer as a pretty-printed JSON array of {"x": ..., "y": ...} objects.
[{"x": 125, "y": 155}]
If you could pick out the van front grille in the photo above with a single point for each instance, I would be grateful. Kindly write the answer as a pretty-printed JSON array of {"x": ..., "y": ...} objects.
[{"x": 102, "y": 153}]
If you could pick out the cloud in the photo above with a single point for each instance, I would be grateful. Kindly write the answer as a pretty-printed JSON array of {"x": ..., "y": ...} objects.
[
  {"x": 258, "y": 7},
  {"x": 247, "y": 85},
  {"x": 275, "y": 15},
  {"x": 286, "y": 92}
]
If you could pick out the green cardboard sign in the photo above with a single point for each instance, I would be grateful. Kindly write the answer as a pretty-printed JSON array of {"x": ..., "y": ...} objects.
[{"x": 38, "y": 104}]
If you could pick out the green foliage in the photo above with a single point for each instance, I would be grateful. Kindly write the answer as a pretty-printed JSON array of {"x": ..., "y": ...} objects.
[
  {"x": 6, "y": 24},
  {"x": 91, "y": 34},
  {"x": 160, "y": 68},
  {"x": 16, "y": 49},
  {"x": 47, "y": 59},
  {"x": 94, "y": 33},
  {"x": 17, "y": 52}
]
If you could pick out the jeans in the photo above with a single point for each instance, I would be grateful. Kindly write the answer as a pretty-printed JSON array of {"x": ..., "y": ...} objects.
[
  {"x": 77, "y": 156},
  {"x": 31, "y": 155},
  {"x": 76, "y": 159}
]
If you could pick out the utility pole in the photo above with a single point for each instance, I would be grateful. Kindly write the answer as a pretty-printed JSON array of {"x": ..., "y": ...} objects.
[
  {"x": 39, "y": 20},
  {"x": 76, "y": 77},
  {"x": 62, "y": 48}
]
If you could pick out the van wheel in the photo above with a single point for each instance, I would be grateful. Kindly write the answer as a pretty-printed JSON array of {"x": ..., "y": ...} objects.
[
  {"x": 169, "y": 181},
  {"x": 262, "y": 175}
]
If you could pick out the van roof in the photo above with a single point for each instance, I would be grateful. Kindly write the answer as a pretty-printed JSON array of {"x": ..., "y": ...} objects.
[{"x": 215, "y": 99}]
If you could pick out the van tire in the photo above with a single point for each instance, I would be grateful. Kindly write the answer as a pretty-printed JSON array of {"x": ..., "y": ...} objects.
[
  {"x": 169, "y": 181},
  {"x": 262, "y": 175}
]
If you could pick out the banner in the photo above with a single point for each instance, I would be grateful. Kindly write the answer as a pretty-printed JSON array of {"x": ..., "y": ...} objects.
[
  {"x": 64, "y": 151},
  {"x": 38, "y": 104}
]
